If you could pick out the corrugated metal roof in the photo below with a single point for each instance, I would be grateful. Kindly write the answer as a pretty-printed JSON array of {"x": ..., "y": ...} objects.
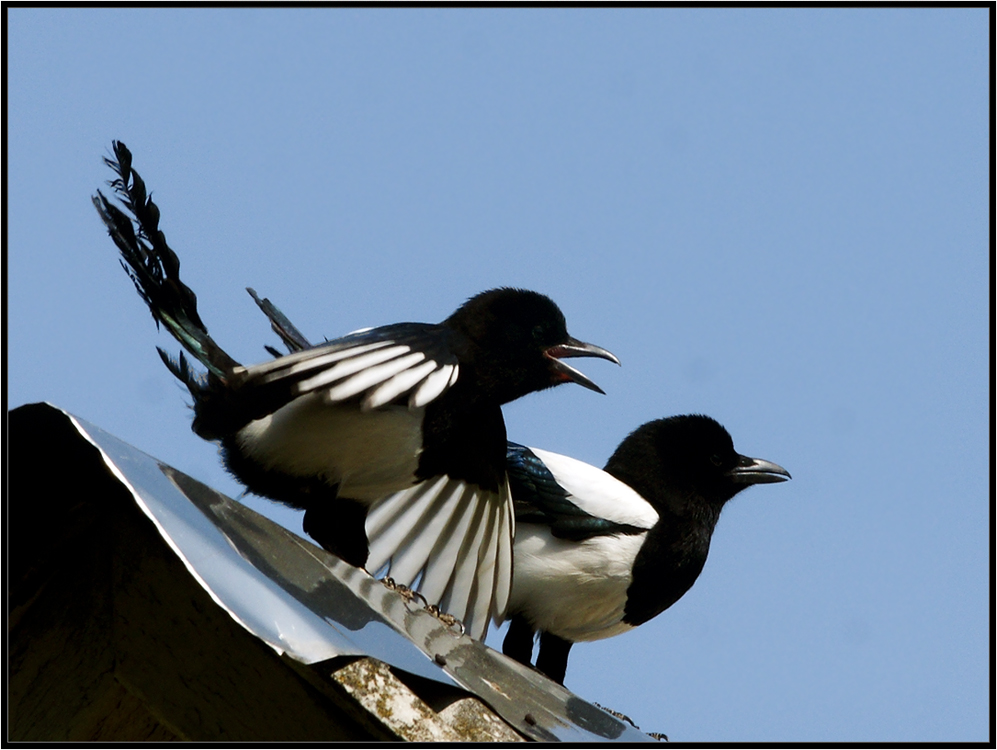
[{"x": 311, "y": 606}]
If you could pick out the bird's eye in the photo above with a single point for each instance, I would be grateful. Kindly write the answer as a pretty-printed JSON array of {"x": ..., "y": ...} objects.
[
  {"x": 715, "y": 460},
  {"x": 538, "y": 333}
]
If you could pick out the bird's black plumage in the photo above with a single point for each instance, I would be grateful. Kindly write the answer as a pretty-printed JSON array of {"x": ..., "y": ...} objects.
[
  {"x": 600, "y": 552},
  {"x": 400, "y": 427}
]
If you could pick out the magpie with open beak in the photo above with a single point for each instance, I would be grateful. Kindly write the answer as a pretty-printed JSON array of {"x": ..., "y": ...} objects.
[
  {"x": 599, "y": 552},
  {"x": 391, "y": 439}
]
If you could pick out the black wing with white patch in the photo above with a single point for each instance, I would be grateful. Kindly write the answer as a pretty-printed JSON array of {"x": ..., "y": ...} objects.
[
  {"x": 412, "y": 362},
  {"x": 539, "y": 498},
  {"x": 451, "y": 541}
]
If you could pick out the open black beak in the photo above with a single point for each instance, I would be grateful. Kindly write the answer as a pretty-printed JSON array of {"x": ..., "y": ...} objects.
[
  {"x": 564, "y": 373},
  {"x": 757, "y": 471}
]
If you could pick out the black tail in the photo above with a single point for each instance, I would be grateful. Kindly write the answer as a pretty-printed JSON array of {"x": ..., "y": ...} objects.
[
  {"x": 155, "y": 270},
  {"x": 196, "y": 382},
  {"x": 291, "y": 336}
]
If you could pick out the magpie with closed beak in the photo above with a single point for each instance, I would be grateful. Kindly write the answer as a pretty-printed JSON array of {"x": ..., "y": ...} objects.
[
  {"x": 391, "y": 439},
  {"x": 599, "y": 552}
]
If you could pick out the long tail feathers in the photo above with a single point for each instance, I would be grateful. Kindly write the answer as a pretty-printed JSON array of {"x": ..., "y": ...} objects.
[
  {"x": 196, "y": 382},
  {"x": 293, "y": 339},
  {"x": 155, "y": 269}
]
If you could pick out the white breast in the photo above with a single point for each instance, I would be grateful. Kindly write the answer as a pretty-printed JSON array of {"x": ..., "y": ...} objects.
[
  {"x": 574, "y": 590},
  {"x": 369, "y": 454}
]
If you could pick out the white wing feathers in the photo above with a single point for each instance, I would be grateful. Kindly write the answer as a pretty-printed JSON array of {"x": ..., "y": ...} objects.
[
  {"x": 363, "y": 366},
  {"x": 597, "y": 493},
  {"x": 452, "y": 537},
  {"x": 403, "y": 382},
  {"x": 379, "y": 365}
]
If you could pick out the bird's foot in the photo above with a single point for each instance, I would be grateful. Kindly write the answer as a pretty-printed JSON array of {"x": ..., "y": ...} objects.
[
  {"x": 618, "y": 715},
  {"x": 405, "y": 592},
  {"x": 623, "y": 717},
  {"x": 445, "y": 617},
  {"x": 412, "y": 595}
]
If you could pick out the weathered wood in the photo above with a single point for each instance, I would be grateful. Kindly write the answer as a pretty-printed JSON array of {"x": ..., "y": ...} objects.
[
  {"x": 389, "y": 701},
  {"x": 110, "y": 636},
  {"x": 60, "y": 662}
]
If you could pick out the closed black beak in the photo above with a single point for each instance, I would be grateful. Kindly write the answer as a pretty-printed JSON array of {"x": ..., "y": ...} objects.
[{"x": 757, "y": 471}]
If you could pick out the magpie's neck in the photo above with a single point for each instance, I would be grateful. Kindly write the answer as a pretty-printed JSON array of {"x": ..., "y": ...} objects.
[
  {"x": 667, "y": 565},
  {"x": 675, "y": 549},
  {"x": 463, "y": 440},
  {"x": 674, "y": 503},
  {"x": 493, "y": 372},
  {"x": 487, "y": 381}
]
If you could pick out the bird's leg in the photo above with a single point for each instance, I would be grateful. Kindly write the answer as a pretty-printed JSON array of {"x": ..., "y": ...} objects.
[
  {"x": 518, "y": 643},
  {"x": 552, "y": 659}
]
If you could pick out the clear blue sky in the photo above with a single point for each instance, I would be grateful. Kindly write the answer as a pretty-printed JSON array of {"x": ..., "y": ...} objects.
[{"x": 776, "y": 217}]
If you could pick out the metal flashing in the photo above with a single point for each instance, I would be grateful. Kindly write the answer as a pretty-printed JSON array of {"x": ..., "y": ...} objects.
[{"x": 311, "y": 606}]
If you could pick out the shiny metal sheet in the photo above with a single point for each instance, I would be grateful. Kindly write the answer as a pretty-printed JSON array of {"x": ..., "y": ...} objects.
[{"x": 310, "y": 605}]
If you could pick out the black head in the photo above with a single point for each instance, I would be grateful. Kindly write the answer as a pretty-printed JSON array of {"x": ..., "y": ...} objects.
[
  {"x": 518, "y": 340},
  {"x": 688, "y": 459}
]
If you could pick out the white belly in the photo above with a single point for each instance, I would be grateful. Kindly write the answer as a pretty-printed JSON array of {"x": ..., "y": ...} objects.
[
  {"x": 368, "y": 454},
  {"x": 574, "y": 590}
]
